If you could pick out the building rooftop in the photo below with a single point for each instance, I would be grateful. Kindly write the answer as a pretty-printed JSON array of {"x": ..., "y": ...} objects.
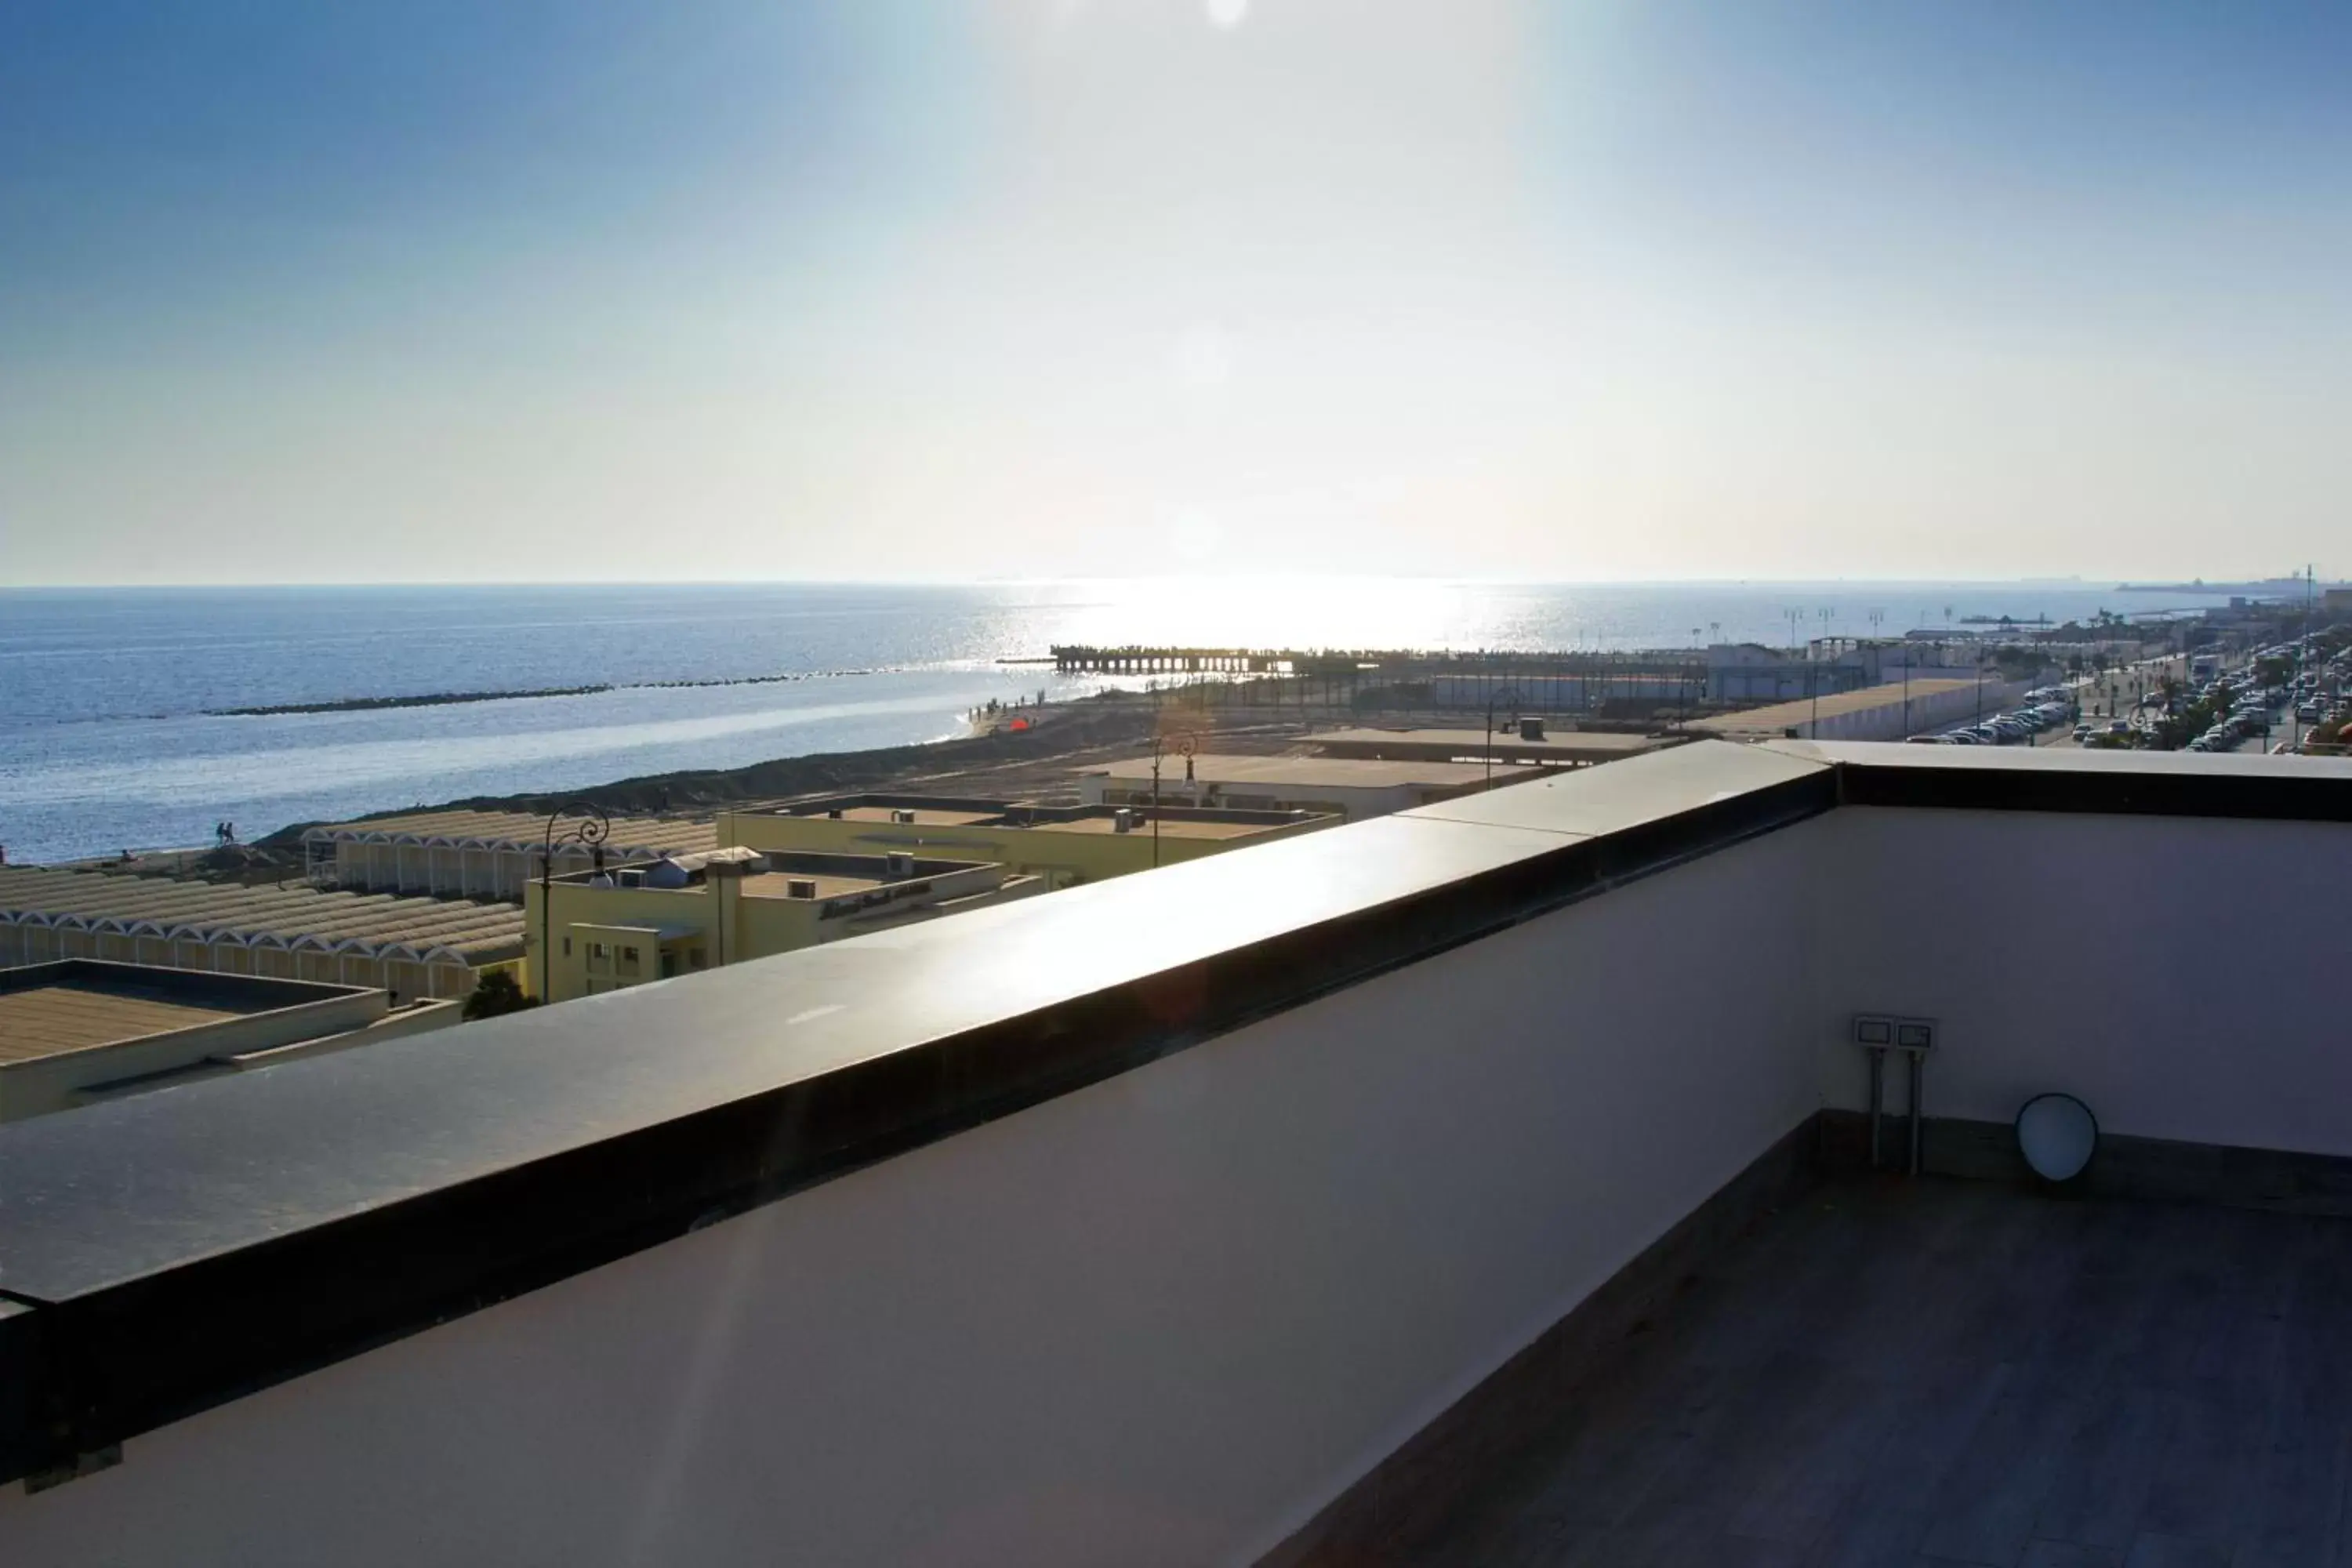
[
  {"x": 67, "y": 1016},
  {"x": 771, "y": 875},
  {"x": 1472, "y": 1185},
  {"x": 924, "y": 816},
  {"x": 481, "y": 931},
  {"x": 78, "y": 1003},
  {"x": 523, "y": 830},
  {"x": 1105, "y": 820},
  {"x": 1557, "y": 745},
  {"x": 1354, "y": 772},
  {"x": 1776, "y": 717},
  {"x": 778, "y": 884},
  {"x": 1213, "y": 823}
]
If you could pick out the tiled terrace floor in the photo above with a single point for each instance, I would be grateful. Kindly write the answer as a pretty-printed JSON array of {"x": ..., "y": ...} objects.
[{"x": 1938, "y": 1372}]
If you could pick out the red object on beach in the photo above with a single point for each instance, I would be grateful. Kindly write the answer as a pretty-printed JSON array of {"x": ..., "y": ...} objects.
[{"x": 1018, "y": 724}]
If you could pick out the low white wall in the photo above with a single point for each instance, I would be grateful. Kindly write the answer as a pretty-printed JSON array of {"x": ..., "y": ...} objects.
[
  {"x": 2184, "y": 976},
  {"x": 40, "y": 1085},
  {"x": 1163, "y": 1320}
]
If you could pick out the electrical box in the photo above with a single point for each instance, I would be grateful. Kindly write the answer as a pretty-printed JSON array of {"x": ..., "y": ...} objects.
[{"x": 1889, "y": 1031}]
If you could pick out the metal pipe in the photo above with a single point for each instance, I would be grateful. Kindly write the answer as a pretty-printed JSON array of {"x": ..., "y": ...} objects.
[
  {"x": 1918, "y": 1101},
  {"x": 1878, "y": 1099}
]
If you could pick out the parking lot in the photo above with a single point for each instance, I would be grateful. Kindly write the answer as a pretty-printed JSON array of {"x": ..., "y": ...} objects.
[{"x": 2250, "y": 718}]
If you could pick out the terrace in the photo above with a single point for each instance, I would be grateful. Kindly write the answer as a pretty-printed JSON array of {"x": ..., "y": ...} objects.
[{"x": 1479, "y": 1185}]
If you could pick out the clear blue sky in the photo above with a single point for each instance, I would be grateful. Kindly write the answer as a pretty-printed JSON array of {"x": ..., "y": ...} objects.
[{"x": 297, "y": 292}]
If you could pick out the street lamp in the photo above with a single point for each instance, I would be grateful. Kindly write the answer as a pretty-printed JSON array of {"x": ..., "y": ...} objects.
[
  {"x": 589, "y": 826},
  {"x": 1184, "y": 745},
  {"x": 1877, "y": 633},
  {"x": 1493, "y": 698}
]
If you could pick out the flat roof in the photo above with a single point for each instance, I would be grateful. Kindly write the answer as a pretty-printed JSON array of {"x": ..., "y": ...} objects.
[
  {"x": 1778, "y": 716},
  {"x": 74, "y": 1014},
  {"x": 77, "y": 1004},
  {"x": 288, "y": 912},
  {"x": 1170, "y": 826},
  {"x": 924, "y": 816},
  {"x": 1564, "y": 742},
  {"x": 526, "y": 830},
  {"x": 777, "y": 884},
  {"x": 1348, "y": 772}
]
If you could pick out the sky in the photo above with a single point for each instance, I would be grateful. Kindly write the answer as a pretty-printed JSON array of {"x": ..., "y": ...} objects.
[{"x": 1564, "y": 290}]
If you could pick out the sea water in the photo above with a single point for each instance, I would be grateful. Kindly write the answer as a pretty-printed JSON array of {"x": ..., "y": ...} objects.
[{"x": 114, "y": 733}]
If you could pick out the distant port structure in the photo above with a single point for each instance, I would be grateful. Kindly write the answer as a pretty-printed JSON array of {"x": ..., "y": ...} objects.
[
  {"x": 1642, "y": 686},
  {"x": 1551, "y": 681}
]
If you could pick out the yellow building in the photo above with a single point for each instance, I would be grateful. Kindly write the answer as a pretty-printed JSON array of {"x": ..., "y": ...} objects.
[
  {"x": 1063, "y": 845},
  {"x": 632, "y": 924},
  {"x": 457, "y": 853}
]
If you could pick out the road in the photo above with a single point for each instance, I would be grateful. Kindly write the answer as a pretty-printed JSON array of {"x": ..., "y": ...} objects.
[{"x": 2116, "y": 693}]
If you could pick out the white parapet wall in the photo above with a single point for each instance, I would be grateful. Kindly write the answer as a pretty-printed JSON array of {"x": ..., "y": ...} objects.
[
  {"x": 1167, "y": 1317},
  {"x": 2181, "y": 976},
  {"x": 1161, "y": 1320}
]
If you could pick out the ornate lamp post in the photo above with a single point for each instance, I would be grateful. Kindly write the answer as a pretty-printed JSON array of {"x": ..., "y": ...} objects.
[
  {"x": 589, "y": 827},
  {"x": 1493, "y": 697},
  {"x": 1184, "y": 745}
]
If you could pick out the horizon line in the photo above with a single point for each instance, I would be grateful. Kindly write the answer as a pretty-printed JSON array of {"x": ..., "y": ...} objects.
[{"x": 2076, "y": 581}]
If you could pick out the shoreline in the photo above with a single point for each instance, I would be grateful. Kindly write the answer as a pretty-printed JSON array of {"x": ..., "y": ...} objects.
[{"x": 1064, "y": 731}]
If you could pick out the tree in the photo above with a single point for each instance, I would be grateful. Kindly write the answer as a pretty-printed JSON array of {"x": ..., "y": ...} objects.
[{"x": 496, "y": 993}]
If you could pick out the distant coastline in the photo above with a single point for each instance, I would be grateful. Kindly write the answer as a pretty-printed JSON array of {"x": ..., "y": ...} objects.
[
  {"x": 1108, "y": 720},
  {"x": 2269, "y": 587}
]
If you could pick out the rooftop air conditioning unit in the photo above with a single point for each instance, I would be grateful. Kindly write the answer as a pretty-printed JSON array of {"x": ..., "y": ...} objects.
[
  {"x": 1531, "y": 729},
  {"x": 800, "y": 888},
  {"x": 900, "y": 865},
  {"x": 902, "y": 814},
  {"x": 1122, "y": 821},
  {"x": 834, "y": 814}
]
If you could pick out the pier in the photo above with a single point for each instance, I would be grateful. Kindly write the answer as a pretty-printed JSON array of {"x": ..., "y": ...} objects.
[{"x": 1543, "y": 682}]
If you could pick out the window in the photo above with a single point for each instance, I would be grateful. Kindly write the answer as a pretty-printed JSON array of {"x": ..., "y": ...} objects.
[
  {"x": 628, "y": 955},
  {"x": 567, "y": 947}
]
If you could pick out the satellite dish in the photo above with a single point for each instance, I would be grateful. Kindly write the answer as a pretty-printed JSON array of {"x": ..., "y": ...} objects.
[{"x": 2057, "y": 1134}]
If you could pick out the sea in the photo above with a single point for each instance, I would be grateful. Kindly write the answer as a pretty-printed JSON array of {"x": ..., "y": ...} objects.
[{"x": 115, "y": 731}]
